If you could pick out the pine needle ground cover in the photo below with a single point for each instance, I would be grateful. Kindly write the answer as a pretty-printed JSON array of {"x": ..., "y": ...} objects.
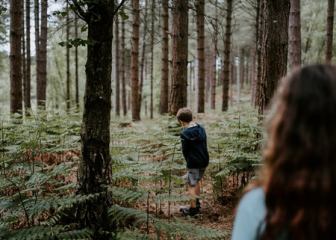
[{"x": 38, "y": 171}]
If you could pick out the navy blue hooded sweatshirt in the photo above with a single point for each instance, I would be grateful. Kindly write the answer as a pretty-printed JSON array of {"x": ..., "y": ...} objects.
[{"x": 194, "y": 147}]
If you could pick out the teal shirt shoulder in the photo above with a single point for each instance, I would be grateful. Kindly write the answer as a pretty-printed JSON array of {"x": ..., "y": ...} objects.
[
  {"x": 250, "y": 222},
  {"x": 250, "y": 215}
]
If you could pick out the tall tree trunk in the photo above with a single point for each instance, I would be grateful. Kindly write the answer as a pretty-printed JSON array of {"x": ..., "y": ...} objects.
[
  {"x": 179, "y": 45},
  {"x": 294, "y": 34},
  {"x": 143, "y": 57},
  {"x": 214, "y": 80},
  {"x": 37, "y": 46},
  {"x": 259, "y": 38},
  {"x": 165, "y": 59},
  {"x": 135, "y": 62},
  {"x": 116, "y": 68},
  {"x": 330, "y": 26},
  {"x": 152, "y": 60},
  {"x": 123, "y": 78},
  {"x": 27, "y": 99},
  {"x": 200, "y": 55},
  {"x": 227, "y": 51},
  {"x": 67, "y": 60},
  {"x": 15, "y": 56},
  {"x": 76, "y": 64},
  {"x": 42, "y": 79},
  {"x": 23, "y": 56},
  {"x": 275, "y": 49},
  {"x": 94, "y": 171}
]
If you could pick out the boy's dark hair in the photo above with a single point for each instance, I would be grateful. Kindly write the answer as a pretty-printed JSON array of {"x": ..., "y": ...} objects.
[{"x": 185, "y": 115}]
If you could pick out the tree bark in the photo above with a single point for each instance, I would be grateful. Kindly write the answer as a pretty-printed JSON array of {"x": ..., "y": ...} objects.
[
  {"x": 23, "y": 54},
  {"x": 214, "y": 79},
  {"x": 116, "y": 67},
  {"x": 37, "y": 45},
  {"x": 179, "y": 45},
  {"x": 42, "y": 79},
  {"x": 260, "y": 32},
  {"x": 152, "y": 61},
  {"x": 27, "y": 86},
  {"x": 67, "y": 60},
  {"x": 227, "y": 52},
  {"x": 275, "y": 49},
  {"x": 165, "y": 59},
  {"x": 200, "y": 55},
  {"x": 135, "y": 62},
  {"x": 123, "y": 78},
  {"x": 330, "y": 26},
  {"x": 94, "y": 171},
  {"x": 76, "y": 63},
  {"x": 294, "y": 34},
  {"x": 15, "y": 56}
]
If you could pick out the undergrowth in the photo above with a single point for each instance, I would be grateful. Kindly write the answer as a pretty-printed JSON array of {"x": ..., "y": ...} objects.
[{"x": 38, "y": 170}]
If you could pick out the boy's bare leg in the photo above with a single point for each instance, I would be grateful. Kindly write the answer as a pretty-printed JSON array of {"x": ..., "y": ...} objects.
[{"x": 192, "y": 190}]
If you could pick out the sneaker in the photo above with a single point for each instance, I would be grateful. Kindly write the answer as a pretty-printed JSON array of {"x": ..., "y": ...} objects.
[{"x": 190, "y": 212}]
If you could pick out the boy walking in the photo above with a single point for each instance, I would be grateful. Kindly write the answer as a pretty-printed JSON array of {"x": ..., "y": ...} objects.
[{"x": 195, "y": 152}]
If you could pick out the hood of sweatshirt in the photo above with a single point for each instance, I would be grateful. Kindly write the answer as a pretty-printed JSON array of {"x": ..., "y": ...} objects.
[{"x": 194, "y": 133}]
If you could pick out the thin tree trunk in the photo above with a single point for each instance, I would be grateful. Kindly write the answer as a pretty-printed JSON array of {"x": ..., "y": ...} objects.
[
  {"x": 165, "y": 59},
  {"x": 275, "y": 49},
  {"x": 23, "y": 41},
  {"x": 259, "y": 37},
  {"x": 67, "y": 60},
  {"x": 179, "y": 45},
  {"x": 123, "y": 79},
  {"x": 15, "y": 56},
  {"x": 200, "y": 55},
  {"x": 135, "y": 62},
  {"x": 27, "y": 99},
  {"x": 330, "y": 26},
  {"x": 214, "y": 80},
  {"x": 294, "y": 34},
  {"x": 152, "y": 60},
  {"x": 227, "y": 51},
  {"x": 143, "y": 55},
  {"x": 42, "y": 84},
  {"x": 37, "y": 47},
  {"x": 76, "y": 63},
  {"x": 116, "y": 68}
]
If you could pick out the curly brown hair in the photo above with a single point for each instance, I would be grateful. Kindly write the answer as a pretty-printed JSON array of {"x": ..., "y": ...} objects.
[{"x": 300, "y": 157}]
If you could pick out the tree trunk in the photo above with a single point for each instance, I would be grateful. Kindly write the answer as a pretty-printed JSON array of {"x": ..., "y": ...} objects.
[
  {"x": 116, "y": 67},
  {"x": 227, "y": 51},
  {"x": 179, "y": 45},
  {"x": 76, "y": 63},
  {"x": 214, "y": 80},
  {"x": 67, "y": 60},
  {"x": 330, "y": 26},
  {"x": 23, "y": 54},
  {"x": 15, "y": 56},
  {"x": 42, "y": 79},
  {"x": 275, "y": 49},
  {"x": 123, "y": 79},
  {"x": 152, "y": 60},
  {"x": 94, "y": 171},
  {"x": 143, "y": 57},
  {"x": 200, "y": 55},
  {"x": 260, "y": 30},
  {"x": 165, "y": 59},
  {"x": 27, "y": 99},
  {"x": 294, "y": 34},
  {"x": 37, "y": 45},
  {"x": 135, "y": 62}
]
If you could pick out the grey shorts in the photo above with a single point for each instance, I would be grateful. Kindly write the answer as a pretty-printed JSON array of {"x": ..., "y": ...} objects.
[{"x": 194, "y": 175}]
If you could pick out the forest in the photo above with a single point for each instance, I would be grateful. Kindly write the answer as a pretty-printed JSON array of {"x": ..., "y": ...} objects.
[{"x": 90, "y": 145}]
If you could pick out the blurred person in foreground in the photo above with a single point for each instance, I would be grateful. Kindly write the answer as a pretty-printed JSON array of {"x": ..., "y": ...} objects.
[{"x": 295, "y": 195}]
